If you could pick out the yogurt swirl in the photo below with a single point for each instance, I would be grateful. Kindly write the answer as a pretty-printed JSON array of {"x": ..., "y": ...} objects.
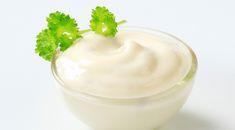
[{"x": 133, "y": 64}]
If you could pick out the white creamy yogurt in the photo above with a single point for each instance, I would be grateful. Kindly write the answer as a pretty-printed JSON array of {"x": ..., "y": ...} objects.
[{"x": 133, "y": 64}]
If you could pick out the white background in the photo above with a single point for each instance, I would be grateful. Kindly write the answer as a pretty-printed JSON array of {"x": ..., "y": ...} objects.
[{"x": 26, "y": 83}]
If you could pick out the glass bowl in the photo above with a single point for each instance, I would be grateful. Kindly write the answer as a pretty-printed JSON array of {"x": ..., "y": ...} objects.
[{"x": 141, "y": 113}]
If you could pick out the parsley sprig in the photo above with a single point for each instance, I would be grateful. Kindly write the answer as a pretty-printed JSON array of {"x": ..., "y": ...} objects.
[
  {"x": 103, "y": 22},
  {"x": 65, "y": 29},
  {"x": 62, "y": 31},
  {"x": 46, "y": 44}
]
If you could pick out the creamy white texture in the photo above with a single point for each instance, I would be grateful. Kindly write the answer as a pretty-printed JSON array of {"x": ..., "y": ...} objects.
[{"x": 133, "y": 64}]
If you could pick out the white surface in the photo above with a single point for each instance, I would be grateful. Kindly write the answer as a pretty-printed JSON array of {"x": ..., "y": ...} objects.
[{"x": 207, "y": 25}]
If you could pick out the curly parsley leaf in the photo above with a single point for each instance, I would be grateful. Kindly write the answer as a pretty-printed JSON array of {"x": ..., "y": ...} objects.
[
  {"x": 61, "y": 33},
  {"x": 103, "y": 22},
  {"x": 46, "y": 45},
  {"x": 65, "y": 29}
]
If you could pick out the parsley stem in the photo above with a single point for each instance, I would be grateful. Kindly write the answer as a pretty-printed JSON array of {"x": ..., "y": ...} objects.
[
  {"x": 84, "y": 31},
  {"x": 121, "y": 22}
]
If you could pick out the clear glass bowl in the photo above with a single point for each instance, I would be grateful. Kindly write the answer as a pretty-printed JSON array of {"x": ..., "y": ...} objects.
[{"x": 142, "y": 113}]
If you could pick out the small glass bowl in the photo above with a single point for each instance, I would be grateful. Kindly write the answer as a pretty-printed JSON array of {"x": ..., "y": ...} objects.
[{"x": 142, "y": 113}]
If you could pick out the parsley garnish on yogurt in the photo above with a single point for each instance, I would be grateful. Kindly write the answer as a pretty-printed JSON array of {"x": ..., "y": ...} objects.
[{"x": 62, "y": 31}]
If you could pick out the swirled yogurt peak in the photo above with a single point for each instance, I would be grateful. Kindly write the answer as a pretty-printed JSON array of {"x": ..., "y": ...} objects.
[{"x": 132, "y": 64}]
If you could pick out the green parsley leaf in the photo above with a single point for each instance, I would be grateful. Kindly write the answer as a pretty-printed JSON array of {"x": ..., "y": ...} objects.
[
  {"x": 46, "y": 44},
  {"x": 65, "y": 29},
  {"x": 103, "y": 22}
]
